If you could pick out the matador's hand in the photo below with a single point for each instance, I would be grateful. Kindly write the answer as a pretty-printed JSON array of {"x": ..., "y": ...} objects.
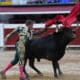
[{"x": 6, "y": 38}]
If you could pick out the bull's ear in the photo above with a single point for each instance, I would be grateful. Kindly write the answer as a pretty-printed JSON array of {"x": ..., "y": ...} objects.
[{"x": 74, "y": 31}]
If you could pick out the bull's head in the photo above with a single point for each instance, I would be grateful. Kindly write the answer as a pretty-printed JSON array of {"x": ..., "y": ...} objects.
[{"x": 69, "y": 33}]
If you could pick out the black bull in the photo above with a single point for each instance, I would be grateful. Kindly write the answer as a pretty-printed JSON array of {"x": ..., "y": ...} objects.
[{"x": 51, "y": 47}]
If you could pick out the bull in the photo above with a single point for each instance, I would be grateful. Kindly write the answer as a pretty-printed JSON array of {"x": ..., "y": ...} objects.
[{"x": 51, "y": 47}]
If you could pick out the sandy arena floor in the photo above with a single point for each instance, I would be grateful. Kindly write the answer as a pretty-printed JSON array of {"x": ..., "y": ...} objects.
[{"x": 70, "y": 65}]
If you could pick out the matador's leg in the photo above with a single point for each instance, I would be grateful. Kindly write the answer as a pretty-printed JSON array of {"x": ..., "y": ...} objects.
[
  {"x": 21, "y": 51},
  {"x": 9, "y": 66}
]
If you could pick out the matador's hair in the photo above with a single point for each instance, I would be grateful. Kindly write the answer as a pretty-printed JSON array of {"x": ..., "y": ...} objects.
[{"x": 28, "y": 22}]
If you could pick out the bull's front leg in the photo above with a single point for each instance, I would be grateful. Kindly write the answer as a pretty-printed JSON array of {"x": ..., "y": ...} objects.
[
  {"x": 55, "y": 69},
  {"x": 59, "y": 70}
]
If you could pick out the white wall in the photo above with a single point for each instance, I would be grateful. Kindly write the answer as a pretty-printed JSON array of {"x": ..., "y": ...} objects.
[{"x": 1, "y": 35}]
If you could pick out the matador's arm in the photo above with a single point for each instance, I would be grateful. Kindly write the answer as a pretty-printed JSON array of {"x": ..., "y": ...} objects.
[
  {"x": 39, "y": 31},
  {"x": 10, "y": 34}
]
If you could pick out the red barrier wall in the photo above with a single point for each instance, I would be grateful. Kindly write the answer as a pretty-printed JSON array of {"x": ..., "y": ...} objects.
[{"x": 12, "y": 40}]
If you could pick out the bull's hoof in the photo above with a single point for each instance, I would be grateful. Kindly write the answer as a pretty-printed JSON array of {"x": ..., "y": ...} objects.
[
  {"x": 3, "y": 75},
  {"x": 56, "y": 76},
  {"x": 61, "y": 73},
  {"x": 40, "y": 74}
]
